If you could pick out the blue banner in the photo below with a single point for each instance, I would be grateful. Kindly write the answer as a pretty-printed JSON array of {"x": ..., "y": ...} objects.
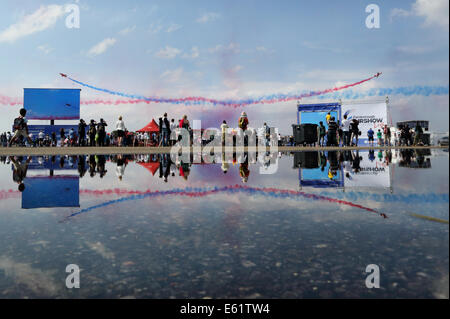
[{"x": 52, "y": 104}]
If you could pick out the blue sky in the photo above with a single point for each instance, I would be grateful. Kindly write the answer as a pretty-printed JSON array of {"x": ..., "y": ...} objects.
[{"x": 224, "y": 49}]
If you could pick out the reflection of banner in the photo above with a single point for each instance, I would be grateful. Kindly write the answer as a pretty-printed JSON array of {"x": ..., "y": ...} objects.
[
  {"x": 56, "y": 191},
  {"x": 372, "y": 115},
  {"x": 371, "y": 174},
  {"x": 52, "y": 104},
  {"x": 54, "y": 163}
]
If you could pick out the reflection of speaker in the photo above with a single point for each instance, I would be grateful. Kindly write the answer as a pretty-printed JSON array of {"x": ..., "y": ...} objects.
[
  {"x": 305, "y": 133},
  {"x": 306, "y": 160}
]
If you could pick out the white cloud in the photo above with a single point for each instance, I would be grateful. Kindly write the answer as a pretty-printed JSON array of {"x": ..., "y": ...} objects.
[
  {"x": 173, "y": 27},
  {"x": 45, "y": 48},
  {"x": 172, "y": 76},
  {"x": 168, "y": 53},
  {"x": 236, "y": 68},
  {"x": 101, "y": 47},
  {"x": 315, "y": 46},
  {"x": 40, "y": 20},
  {"x": 127, "y": 30},
  {"x": 413, "y": 49},
  {"x": 232, "y": 48},
  {"x": 208, "y": 17},
  {"x": 435, "y": 12},
  {"x": 155, "y": 28},
  {"x": 195, "y": 53}
]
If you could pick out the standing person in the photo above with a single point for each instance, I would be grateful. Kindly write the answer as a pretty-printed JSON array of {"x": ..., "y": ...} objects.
[
  {"x": 41, "y": 136},
  {"x": 266, "y": 132},
  {"x": 21, "y": 128},
  {"x": 164, "y": 130},
  {"x": 354, "y": 131},
  {"x": 346, "y": 130},
  {"x": 62, "y": 136},
  {"x": 82, "y": 133},
  {"x": 387, "y": 135},
  {"x": 224, "y": 127},
  {"x": 243, "y": 124},
  {"x": 418, "y": 134},
  {"x": 243, "y": 121},
  {"x": 173, "y": 126},
  {"x": 370, "y": 134},
  {"x": 380, "y": 138},
  {"x": 322, "y": 132},
  {"x": 101, "y": 133},
  {"x": 328, "y": 118},
  {"x": 92, "y": 132},
  {"x": 332, "y": 132},
  {"x": 71, "y": 136},
  {"x": 120, "y": 128},
  {"x": 54, "y": 139}
]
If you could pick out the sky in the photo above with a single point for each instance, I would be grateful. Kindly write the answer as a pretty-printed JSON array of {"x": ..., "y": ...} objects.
[{"x": 224, "y": 49}]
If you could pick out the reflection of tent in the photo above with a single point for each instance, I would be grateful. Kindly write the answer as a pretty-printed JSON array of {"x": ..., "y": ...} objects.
[
  {"x": 151, "y": 167},
  {"x": 150, "y": 127}
]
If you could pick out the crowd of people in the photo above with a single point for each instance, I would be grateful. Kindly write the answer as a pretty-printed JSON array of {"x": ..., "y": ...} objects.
[{"x": 95, "y": 133}]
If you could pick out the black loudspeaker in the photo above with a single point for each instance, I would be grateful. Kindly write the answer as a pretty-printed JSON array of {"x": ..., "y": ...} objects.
[
  {"x": 310, "y": 133},
  {"x": 305, "y": 134}
]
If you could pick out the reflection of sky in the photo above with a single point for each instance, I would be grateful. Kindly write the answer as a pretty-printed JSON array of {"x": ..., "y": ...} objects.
[{"x": 211, "y": 245}]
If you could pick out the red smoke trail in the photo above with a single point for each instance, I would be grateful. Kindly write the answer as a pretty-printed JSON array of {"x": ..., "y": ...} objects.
[{"x": 6, "y": 100}]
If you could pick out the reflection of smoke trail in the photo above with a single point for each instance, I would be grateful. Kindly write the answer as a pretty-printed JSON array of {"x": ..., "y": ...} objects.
[
  {"x": 350, "y": 196},
  {"x": 201, "y": 192},
  {"x": 405, "y": 91},
  {"x": 268, "y": 99}
]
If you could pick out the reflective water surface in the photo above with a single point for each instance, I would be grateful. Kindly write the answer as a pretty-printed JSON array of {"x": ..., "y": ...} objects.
[{"x": 305, "y": 226}]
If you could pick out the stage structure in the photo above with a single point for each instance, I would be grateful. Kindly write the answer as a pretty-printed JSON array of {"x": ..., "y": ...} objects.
[{"x": 370, "y": 114}]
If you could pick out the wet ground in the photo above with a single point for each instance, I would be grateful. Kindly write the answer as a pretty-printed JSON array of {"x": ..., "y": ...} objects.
[{"x": 304, "y": 225}]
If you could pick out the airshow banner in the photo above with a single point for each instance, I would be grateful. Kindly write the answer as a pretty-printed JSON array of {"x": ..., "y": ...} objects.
[{"x": 372, "y": 116}]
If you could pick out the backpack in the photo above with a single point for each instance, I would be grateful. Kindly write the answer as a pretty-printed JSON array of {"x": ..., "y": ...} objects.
[
  {"x": 18, "y": 123},
  {"x": 242, "y": 122}
]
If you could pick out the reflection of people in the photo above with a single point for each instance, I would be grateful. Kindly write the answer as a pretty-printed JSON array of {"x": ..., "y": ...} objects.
[
  {"x": 81, "y": 165},
  {"x": 120, "y": 169},
  {"x": 20, "y": 171},
  {"x": 164, "y": 166},
  {"x": 244, "y": 172}
]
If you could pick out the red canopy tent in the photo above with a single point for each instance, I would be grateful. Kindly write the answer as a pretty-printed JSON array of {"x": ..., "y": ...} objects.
[
  {"x": 151, "y": 167},
  {"x": 150, "y": 127}
]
